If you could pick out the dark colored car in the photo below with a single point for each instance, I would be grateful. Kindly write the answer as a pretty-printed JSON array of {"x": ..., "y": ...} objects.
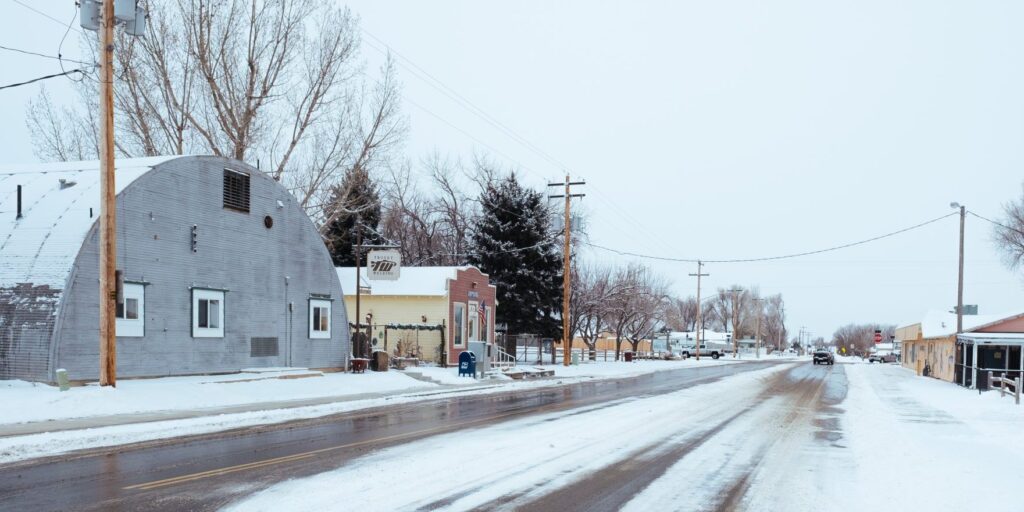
[{"x": 823, "y": 357}]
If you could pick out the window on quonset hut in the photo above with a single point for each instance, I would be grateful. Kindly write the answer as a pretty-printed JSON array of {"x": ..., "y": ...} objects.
[
  {"x": 130, "y": 314},
  {"x": 207, "y": 313},
  {"x": 319, "y": 319},
  {"x": 236, "y": 190}
]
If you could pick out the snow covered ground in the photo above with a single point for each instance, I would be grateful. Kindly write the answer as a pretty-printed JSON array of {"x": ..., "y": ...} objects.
[
  {"x": 601, "y": 435},
  {"x": 853, "y": 437},
  {"x": 134, "y": 407}
]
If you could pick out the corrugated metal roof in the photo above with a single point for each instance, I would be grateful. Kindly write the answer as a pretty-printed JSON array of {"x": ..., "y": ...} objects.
[{"x": 41, "y": 247}]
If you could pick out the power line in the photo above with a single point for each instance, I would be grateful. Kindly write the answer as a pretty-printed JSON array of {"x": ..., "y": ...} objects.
[
  {"x": 1004, "y": 226},
  {"x": 770, "y": 258},
  {"x": 41, "y": 13},
  {"x": 451, "y": 93},
  {"x": 27, "y": 52},
  {"x": 47, "y": 77},
  {"x": 468, "y": 105}
]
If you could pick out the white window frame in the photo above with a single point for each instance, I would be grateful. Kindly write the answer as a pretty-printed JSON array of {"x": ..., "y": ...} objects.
[
  {"x": 132, "y": 327},
  {"x": 473, "y": 323},
  {"x": 489, "y": 323},
  {"x": 199, "y": 294},
  {"x": 321, "y": 304},
  {"x": 459, "y": 324}
]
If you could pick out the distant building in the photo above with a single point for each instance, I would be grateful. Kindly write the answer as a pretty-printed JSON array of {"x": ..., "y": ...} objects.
[
  {"x": 988, "y": 342},
  {"x": 222, "y": 271},
  {"x": 605, "y": 341},
  {"x": 402, "y": 313}
]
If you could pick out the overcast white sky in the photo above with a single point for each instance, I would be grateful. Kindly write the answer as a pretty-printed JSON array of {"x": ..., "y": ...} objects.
[{"x": 717, "y": 130}]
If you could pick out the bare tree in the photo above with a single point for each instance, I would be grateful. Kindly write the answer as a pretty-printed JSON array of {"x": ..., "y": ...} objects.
[
  {"x": 276, "y": 82},
  {"x": 635, "y": 305},
  {"x": 859, "y": 338},
  {"x": 681, "y": 314},
  {"x": 591, "y": 288},
  {"x": 773, "y": 325},
  {"x": 1009, "y": 234},
  {"x": 430, "y": 221}
]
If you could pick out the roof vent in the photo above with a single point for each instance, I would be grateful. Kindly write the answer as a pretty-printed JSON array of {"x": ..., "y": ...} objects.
[{"x": 66, "y": 183}]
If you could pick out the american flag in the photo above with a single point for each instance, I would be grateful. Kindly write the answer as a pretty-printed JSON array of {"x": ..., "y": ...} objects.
[{"x": 482, "y": 309}]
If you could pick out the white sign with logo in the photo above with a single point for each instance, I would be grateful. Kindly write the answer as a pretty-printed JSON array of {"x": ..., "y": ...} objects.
[{"x": 383, "y": 265}]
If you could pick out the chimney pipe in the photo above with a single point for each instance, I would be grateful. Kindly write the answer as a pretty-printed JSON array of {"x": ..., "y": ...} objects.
[{"x": 19, "y": 202}]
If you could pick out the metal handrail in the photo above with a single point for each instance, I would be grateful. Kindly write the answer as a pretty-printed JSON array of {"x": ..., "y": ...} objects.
[{"x": 503, "y": 359}]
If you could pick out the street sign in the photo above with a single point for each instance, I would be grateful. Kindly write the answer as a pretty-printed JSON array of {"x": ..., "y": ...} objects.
[
  {"x": 383, "y": 265},
  {"x": 878, "y": 336}
]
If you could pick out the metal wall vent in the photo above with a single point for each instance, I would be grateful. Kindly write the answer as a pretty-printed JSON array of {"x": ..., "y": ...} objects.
[
  {"x": 262, "y": 347},
  {"x": 236, "y": 190}
]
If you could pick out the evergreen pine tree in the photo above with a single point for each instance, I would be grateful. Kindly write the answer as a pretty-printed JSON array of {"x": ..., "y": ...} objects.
[
  {"x": 512, "y": 243},
  {"x": 355, "y": 197}
]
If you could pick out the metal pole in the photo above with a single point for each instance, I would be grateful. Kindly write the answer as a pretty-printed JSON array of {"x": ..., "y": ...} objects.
[
  {"x": 960, "y": 278},
  {"x": 108, "y": 204},
  {"x": 355, "y": 251}
]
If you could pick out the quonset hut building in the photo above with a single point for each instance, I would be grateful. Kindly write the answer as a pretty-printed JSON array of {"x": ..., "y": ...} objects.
[{"x": 222, "y": 271}]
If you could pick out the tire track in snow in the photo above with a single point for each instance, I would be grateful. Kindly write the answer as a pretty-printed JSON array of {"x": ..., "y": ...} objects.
[{"x": 741, "y": 465}]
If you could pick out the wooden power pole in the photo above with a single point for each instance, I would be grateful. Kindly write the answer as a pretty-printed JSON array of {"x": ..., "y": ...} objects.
[
  {"x": 735, "y": 321},
  {"x": 960, "y": 277},
  {"x": 108, "y": 202},
  {"x": 700, "y": 318},
  {"x": 760, "y": 309},
  {"x": 566, "y": 260}
]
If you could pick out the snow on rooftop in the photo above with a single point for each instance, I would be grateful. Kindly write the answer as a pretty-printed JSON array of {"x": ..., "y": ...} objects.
[
  {"x": 937, "y": 323},
  {"x": 415, "y": 281},
  {"x": 41, "y": 247}
]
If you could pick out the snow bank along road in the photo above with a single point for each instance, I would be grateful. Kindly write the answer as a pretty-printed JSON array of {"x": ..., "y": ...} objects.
[{"x": 471, "y": 432}]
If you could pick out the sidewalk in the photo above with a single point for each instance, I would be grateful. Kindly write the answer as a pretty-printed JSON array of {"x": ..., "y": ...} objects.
[
  {"x": 41, "y": 421},
  {"x": 59, "y": 425}
]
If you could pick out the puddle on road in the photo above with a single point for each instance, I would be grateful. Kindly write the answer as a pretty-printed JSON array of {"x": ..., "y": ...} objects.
[
  {"x": 828, "y": 430},
  {"x": 827, "y": 422}
]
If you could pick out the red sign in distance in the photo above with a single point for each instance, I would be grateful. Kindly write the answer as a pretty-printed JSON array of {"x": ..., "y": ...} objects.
[{"x": 878, "y": 336}]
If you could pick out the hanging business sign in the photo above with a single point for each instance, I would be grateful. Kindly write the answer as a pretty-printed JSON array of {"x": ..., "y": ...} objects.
[{"x": 383, "y": 265}]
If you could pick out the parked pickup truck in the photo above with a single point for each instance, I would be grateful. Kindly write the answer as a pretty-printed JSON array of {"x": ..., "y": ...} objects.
[{"x": 714, "y": 350}]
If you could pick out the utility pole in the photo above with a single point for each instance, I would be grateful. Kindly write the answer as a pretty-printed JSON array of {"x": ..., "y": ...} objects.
[
  {"x": 700, "y": 317},
  {"x": 566, "y": 256},
  {"x": 735, "y": 322},
  {"x": 108, "y": 202},
  {"x": 960, "y": 277},
  {"x": 760, "y": 310},
  {"x": 102, "y": 17}
]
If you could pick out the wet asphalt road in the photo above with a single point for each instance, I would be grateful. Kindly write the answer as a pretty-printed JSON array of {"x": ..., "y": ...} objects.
[
  {"x": 795, "y": 413},
  {"x": 207, "y": 472}
]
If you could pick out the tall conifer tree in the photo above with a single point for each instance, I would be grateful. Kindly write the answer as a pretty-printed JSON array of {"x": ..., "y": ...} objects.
[
  {"x": 355, "y": 197},
  {"x": 512, "y": 242}
]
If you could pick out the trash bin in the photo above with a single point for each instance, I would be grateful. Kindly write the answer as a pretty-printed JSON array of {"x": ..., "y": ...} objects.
[
  {"x": 575, "y": 359},
  {"x": 628, "y": 355},
  {"x": 467, "y": 364},
  {"x": 380, "y": 361}
]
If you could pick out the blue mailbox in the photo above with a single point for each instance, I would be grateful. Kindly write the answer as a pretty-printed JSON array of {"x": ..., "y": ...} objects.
[{"x": 467, "y": 364}]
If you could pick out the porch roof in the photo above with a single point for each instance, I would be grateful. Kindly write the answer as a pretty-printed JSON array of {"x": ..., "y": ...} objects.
[{"x": 993, "y": 338}]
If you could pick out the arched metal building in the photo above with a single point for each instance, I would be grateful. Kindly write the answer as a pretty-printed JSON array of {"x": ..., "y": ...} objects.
[{"x": 222, "y": 270}]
